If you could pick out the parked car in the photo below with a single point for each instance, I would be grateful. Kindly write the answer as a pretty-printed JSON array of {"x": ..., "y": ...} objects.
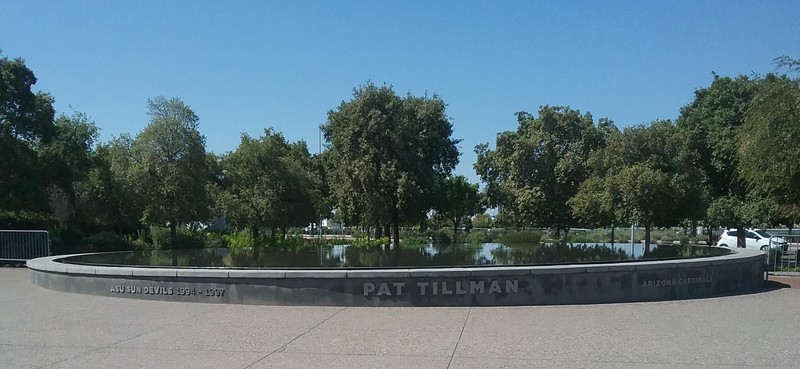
[{"x": 755, "y": 239}]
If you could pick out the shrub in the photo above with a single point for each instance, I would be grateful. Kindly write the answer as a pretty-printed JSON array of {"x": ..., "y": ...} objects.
[
  {"x": 365, "y": 242},
  {"x": 487, "y": 236},
  {"x": 104, "y": 242},
  {"x": 441, "y": 235},
  {"x": 521, "y": 237},
  {"x": 215, "y": 240},
  {"x": 413, "y": 238},
  {"x": 240, "y": 239}
]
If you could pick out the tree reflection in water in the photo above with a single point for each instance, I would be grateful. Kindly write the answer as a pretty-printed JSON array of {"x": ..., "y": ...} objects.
[{"x": 343, "y": 256}]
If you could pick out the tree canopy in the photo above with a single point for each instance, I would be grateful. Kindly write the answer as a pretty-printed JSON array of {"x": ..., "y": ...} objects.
[
  {"x": 386, "y": 155},
  {"x": 534, "y": 171}
]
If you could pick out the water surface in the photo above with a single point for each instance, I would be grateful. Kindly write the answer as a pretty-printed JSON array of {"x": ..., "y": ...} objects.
[{"x": 344, "y": 256}]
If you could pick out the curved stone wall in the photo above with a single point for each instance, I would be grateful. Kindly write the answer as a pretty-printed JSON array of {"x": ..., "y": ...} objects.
[{"x": 740, "y": 272}]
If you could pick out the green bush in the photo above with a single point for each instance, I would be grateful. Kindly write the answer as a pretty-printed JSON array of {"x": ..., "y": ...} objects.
[
  {"x": 104, "y": 242},
  {"x": 65, "y": 240},
  {"x": 159, "y": 237},
  {"x": 25, "y": 220},
  {"x": 242, "y": 239},
  {"x": 521, "y": 237},
  {"x": 439, "y": 236},
  {"x": 413, "y": 238},
  {"x": 487, "y": 236},
  {"x": 365, "y": 242},
  {"x": 215, "y": 240}
]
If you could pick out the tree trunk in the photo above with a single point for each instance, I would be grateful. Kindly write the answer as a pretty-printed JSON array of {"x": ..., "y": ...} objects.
[
  {"x": 710, "y": 234},
  {"x": 455, "y": 229},
  {"x": 396, "y": 224},
  {"x": 254, "y": 231},
  {"x": 173, "y": 233},
  {"x": 397, "y": 236},
  {"x": 647, "y": 239},
  {"x": 612, "y": 235},
  {"x": 741, "y": 242}
]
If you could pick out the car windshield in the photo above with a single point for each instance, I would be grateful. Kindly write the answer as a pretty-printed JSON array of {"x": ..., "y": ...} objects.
[{"x": 764, "y": 234}]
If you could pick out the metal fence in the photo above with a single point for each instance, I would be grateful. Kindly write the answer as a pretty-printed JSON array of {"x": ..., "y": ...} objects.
[
  {"x": 782, "y": 256},
  {"x": 23, "y": 245}
]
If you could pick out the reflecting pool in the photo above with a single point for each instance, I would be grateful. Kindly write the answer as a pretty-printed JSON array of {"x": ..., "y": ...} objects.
[{"x": 345, "y": 256}]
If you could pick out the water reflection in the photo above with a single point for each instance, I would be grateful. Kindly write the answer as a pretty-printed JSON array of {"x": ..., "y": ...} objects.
[{"x": 343, "y": 256}]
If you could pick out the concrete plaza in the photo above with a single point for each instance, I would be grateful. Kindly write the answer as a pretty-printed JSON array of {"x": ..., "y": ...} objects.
[{"x": 40, "y": 328}]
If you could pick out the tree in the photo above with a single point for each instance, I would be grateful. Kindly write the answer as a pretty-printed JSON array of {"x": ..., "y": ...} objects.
[
  {"x": 709, "y": 125},
  {"x": 458, "y": 200},
  {"x": 535, "y": 170},
  {"x": 66, "y": 160},
  {"x": 768, "y": 148},
  {"x": 268, "y": 183},
  {"x": 107, "y": 197},
  {"x": 26, "y": 120},
  {"x": 643, "y": 175},
  {"x": 387, "y": 153},
  {"x": 168, "y": 166}
]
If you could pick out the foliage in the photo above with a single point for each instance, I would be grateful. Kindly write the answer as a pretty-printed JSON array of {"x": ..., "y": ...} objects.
[
  {"x": 517, "y": 237},
  {"x": 168, "y": 166},
  {"x": 104, "y": 242},
  {"x": 483, "y": 220},
  {"x": 26, "y": 121},
  {"x": 458, "y": 200},
  {"x": 644, "y": 176},
  {"x": 535, "y": 170},
  {"x": 768, "y": 142},
  {"x": 267, "y": 182},
  {"x": 386, "y": 155},
  {"x": 369, "y": 242},
  {"x": 483, "y": 236}
]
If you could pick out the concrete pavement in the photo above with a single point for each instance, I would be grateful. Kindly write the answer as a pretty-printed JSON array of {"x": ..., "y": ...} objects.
[{"x": 40, "y": 328}]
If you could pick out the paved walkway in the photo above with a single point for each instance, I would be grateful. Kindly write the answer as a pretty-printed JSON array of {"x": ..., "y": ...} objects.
[{"x": 40, "y": 328}]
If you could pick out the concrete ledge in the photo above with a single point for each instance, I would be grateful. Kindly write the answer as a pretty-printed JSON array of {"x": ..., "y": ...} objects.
[
  {"x": 558, "y": 269},
  {"x": 379, "y": 273},
  {"x": 739, "y": 272},
  {"x": 154, "y": 272},
  {"x": 241, "y": 273},
  {"x": 324, "y": 274},
  {"x": 440, "y": 272},
  {"x": 203, "y": 273},
  {"x": 498, "y": 271}
]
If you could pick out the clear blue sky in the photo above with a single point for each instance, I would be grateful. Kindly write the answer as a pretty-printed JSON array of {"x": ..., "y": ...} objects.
[{"x": 246, "y": 65}]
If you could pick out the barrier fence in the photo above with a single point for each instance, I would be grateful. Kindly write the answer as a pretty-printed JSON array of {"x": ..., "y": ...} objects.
[
  {"x": 782, "y": 256},
  {"x": 23, "y": 245}
]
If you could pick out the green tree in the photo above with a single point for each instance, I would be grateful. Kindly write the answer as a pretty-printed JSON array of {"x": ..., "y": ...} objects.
[
  {"x": 644, "y": 176},
  {"x": 168, "y": 166},
  {"x": 267, "y": 183},
  {"x": 768, "y": 145},
  {"x": 458, "y": 200},
  {"x": 710, "y": 126},
  {"x": 26, "y": 120},
  {"x": 387, "y": 153},
  {"x": 534, "y": 171},
  {"x": 483, "y": 220},
  {"x": 107, "y": 196},
  {"x": 66, "y": 160}
]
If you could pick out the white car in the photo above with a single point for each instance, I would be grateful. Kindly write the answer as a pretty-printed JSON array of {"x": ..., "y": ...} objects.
[{"x": 755, "y": 239}]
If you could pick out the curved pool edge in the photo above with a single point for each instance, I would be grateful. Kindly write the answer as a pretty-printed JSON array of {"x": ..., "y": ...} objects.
[{"x": 739, "y": 272}]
